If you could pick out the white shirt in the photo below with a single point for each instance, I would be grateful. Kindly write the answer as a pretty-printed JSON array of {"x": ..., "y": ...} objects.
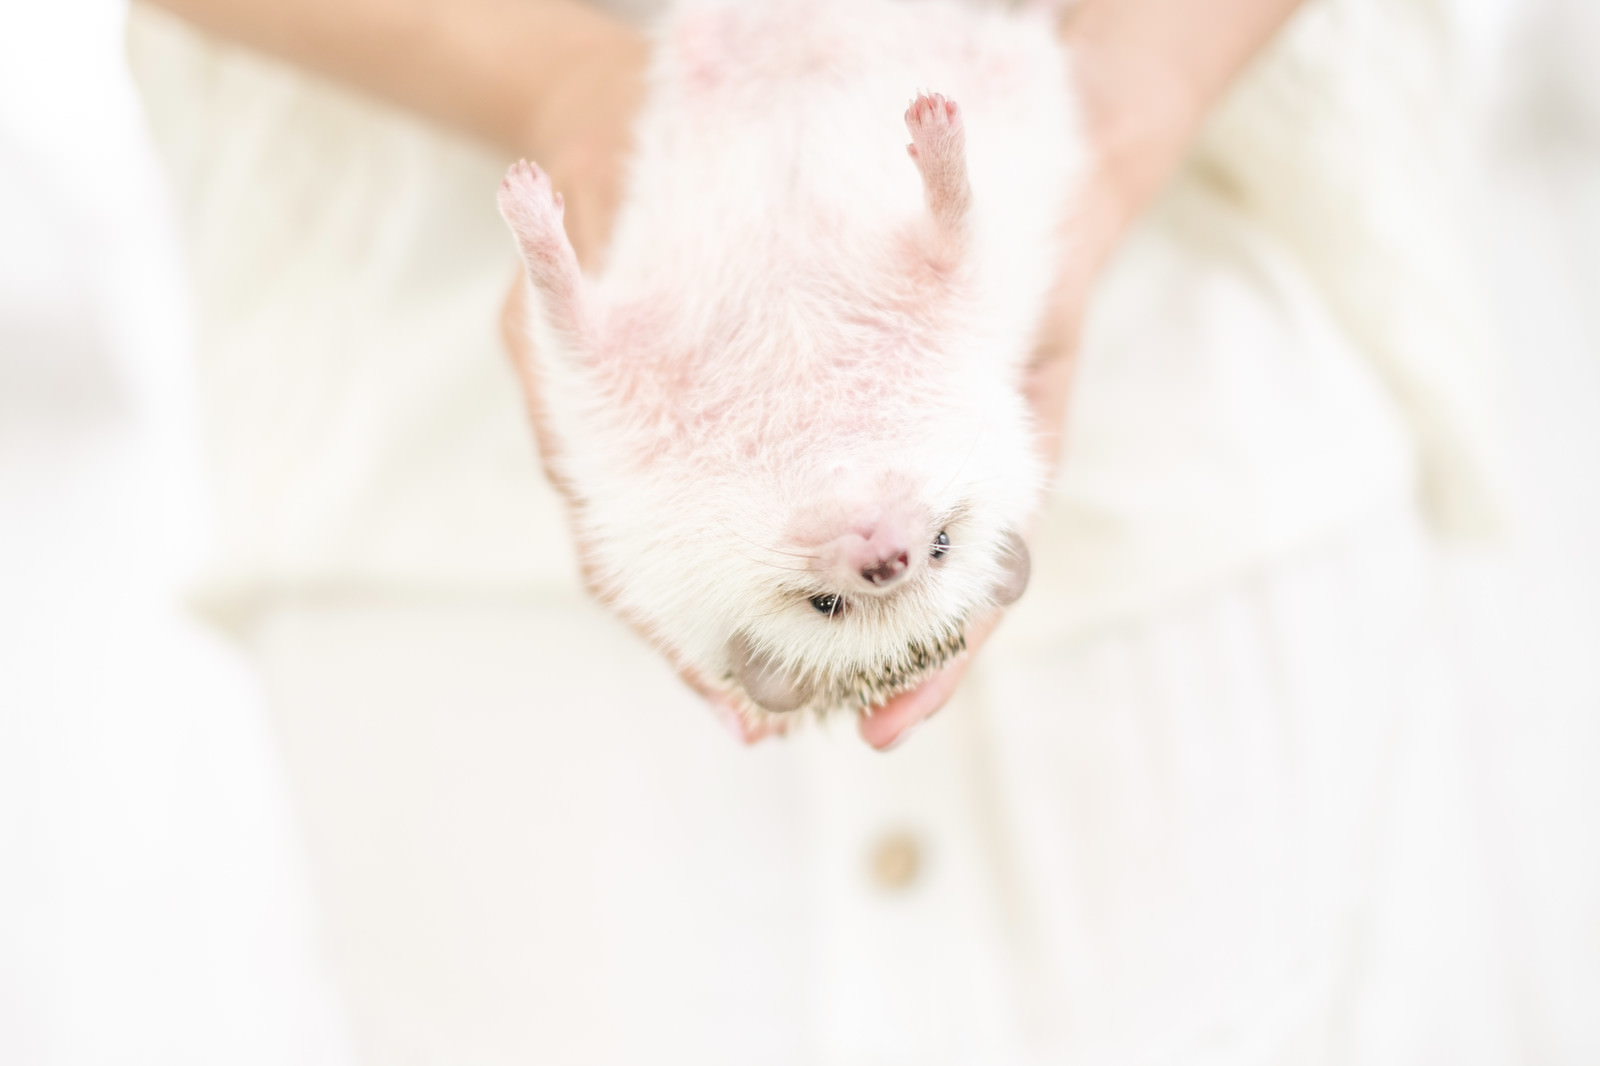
[{"x": 151, "y": 903}]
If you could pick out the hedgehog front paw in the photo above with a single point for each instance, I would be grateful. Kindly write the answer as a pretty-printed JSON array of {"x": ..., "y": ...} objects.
[
  {"x": 533, "y": 210},
  {"x": 939, "y": 146},
  {"x": 531, "y": 207}
]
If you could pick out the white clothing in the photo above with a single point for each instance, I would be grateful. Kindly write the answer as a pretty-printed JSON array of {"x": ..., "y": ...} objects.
[
  {"x": 1217, "y": 836},
  {"x": 152, "y": 910}
]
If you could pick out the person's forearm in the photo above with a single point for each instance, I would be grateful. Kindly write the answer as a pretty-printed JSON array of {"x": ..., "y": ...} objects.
[
  {"x": 1148, "y": 72},
  {"x": 489, "y": 68}
]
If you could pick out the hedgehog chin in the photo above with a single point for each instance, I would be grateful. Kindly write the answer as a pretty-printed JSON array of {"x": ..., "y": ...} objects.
[
  {"x": 776, "y": 687},
  {"x": 868, "y": 685}
]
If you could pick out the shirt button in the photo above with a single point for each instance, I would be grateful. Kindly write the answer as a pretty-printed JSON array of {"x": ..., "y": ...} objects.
[{"x": 896, "y": 860}]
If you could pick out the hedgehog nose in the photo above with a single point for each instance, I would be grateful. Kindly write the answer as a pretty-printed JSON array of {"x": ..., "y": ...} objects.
[
  {"x": 878, "y": 553},
  {"x": 887, "y": 571}
]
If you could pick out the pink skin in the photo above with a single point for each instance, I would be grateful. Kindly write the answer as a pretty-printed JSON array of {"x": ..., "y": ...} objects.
[{"x": 887, "y": 726}]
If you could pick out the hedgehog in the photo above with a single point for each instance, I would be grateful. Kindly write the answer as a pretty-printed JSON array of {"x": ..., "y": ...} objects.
[{"x": 788, "y": 409}]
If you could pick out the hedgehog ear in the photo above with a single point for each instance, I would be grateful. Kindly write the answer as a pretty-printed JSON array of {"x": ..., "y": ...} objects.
[
  {"x": 1016, "y": 566},
  {"x": 765, "y": 680}
]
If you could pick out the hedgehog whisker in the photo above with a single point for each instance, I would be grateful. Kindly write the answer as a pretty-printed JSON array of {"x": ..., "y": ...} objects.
[
  {"x": 808, "y": 556},
  {"x": 775, "y": 566}
]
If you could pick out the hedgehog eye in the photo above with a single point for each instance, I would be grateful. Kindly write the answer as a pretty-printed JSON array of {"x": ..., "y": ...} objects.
[
  {"x": 941, "y": 544},
  {"x": 828, "y": 603}
]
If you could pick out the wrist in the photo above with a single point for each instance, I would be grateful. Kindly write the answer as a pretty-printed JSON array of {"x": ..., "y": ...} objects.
[
  {"x": 1138, "y": 113},
  {"x": 590, "y": 82},
  {"x": 1148, "y": 71},
  {"x": 579, "y": 126}
]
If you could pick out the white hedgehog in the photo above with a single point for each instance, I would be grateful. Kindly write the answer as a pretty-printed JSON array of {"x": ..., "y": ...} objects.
[{"x": 788, "y": 411}]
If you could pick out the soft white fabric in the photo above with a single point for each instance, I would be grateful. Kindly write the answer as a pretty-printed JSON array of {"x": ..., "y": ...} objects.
[
  {"x": 1350, "y": 146},
  {"x": 152, "y": 909},
  {"x": 1240, "y": 832}
]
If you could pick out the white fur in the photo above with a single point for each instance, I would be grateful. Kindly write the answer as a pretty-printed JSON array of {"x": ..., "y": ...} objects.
[{"x": 766, "y": 352}]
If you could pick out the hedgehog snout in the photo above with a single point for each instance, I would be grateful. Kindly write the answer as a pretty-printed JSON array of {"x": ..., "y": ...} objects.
[{"x": 880, "y": 557}]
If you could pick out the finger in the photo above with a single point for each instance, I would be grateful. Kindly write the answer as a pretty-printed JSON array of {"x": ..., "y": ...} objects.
[{"x": 889, "y": 725}]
